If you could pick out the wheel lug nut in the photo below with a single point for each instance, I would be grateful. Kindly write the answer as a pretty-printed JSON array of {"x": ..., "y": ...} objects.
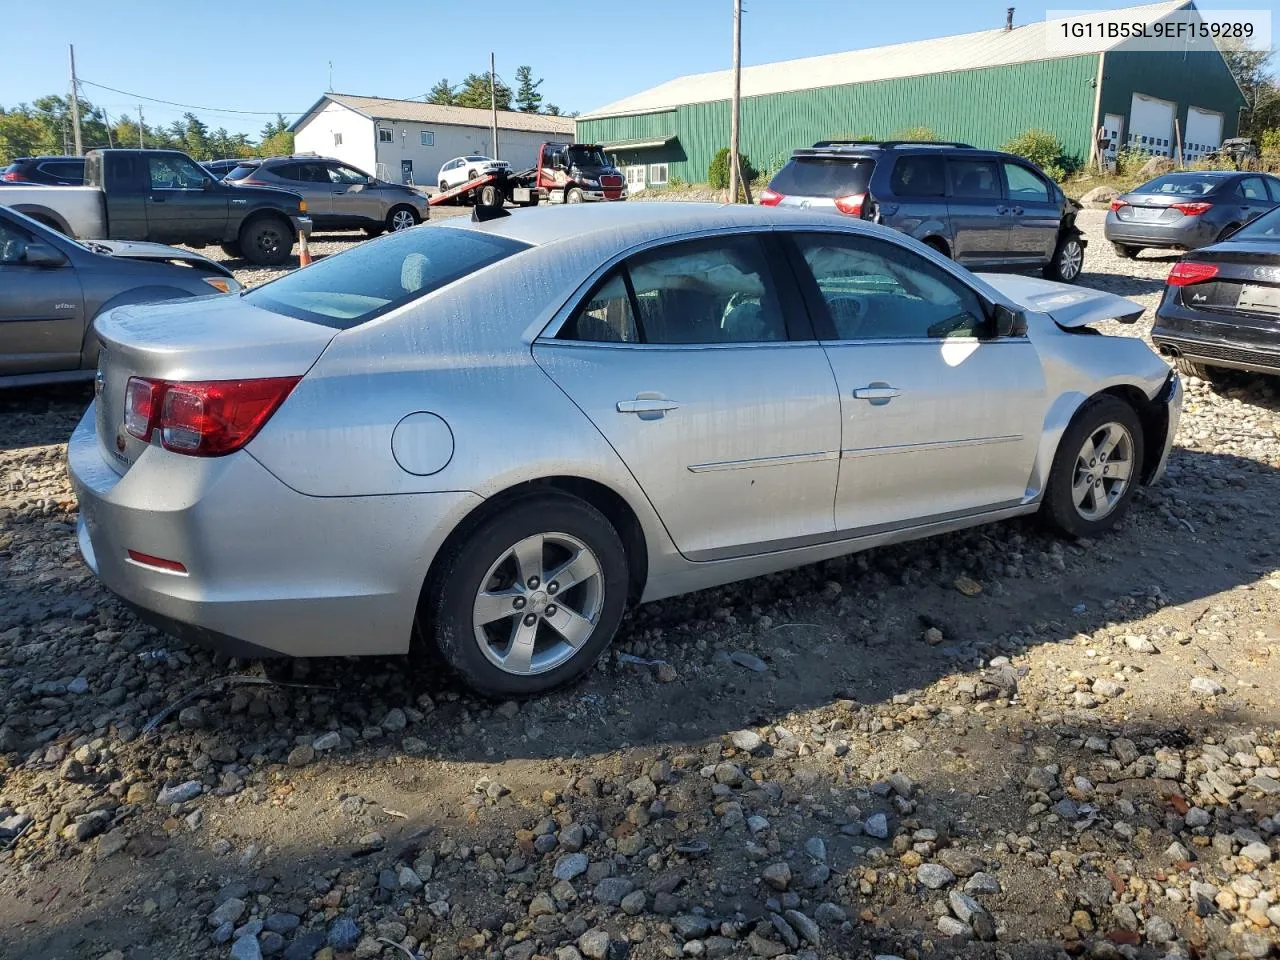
[
  {"x": 533, "y": 583},
  {"x": 518, "y": 603},
  {"x": 530, "y": 620},
  {"x": 552, "y": 587},
  {"x": 551, "y": 610}
]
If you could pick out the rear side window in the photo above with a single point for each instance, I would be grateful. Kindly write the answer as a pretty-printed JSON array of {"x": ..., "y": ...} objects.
[
  {"x": 822, "y": 177},
  {"x": 241, "y": 172},
  {"x": 974, "y": 179},
  {"x": 919, "y": 177},
  {"x": 366, "y": 281},
  {"x": 64, "y": 170},
  {"x": 123, "y": 172},
  {"x": 286, "y": 171},
  {"x": 1252, "y": 188}
]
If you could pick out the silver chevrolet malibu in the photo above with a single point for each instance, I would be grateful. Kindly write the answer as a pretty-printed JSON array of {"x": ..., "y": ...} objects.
[{"x": 495, "y": 434}]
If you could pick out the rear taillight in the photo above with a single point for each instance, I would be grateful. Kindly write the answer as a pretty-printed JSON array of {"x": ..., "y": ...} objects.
[
  {"x": 1117, "y": 204},
  {"x": 209, "y": 418},
  {"x": 851, "y": 205},
  {"x": 1187, "y": 272},
  {"x": 11, "y": 177},
  {"x": 770, "y": 198},
  {"x": 1192, "y": 209}
]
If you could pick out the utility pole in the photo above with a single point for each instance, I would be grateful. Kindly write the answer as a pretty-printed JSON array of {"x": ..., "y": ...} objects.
[
  {"x": 736, "y": 108},
  {"x": 141, "y": 127},
  {"x": 106, "y": 122},
  {"x": 75, "y": 103},
  {"x": 493, "y": 104}
]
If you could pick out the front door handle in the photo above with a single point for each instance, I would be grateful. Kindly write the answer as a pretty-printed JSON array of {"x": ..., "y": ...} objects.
[
  {"x": 643, "y": 405},
  {"x": 877, "y": 393},
  {"x": 1017, "y": 211},
  {"x": 155, "y": 199}
]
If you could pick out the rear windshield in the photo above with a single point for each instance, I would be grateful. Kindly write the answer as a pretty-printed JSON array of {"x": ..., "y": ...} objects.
[
  {"x": 817, "y": 177},
  {"x": 240, "y": 172},
  {"x": 1180, "y": 185},
  {"x": 1266, "y": 227},
  {"x": 350, "y": 288}
]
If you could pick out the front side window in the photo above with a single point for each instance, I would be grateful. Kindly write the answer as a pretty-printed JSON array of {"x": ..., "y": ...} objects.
[
  {"x": 338, "y": 174},
  {"x": 13, "y": 244},
  {"x": 175, "y": 173},
  {"x": 879, "y": 291},
  {"x": 697, "y": 292},
  {"x": 920, "y": 176},
  {"x": 384, "y": 136},
  {"x": 1025, "y": 185},
  {"x": 365, "y": 281},
  {"x": 974, "y": 179}
]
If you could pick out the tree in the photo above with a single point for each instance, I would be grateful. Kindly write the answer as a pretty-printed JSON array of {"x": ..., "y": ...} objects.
[
  {"x": 273, "y": 127},
  {"x": 553, "y": 110},
  {"x": 1252, "y": 70},
  {"x": 22, "y": 135},
  {"x": 277, "y": 145},
  {"x": 195, "y": 138},
  {"x": 528, "y": 99},
  {"x": 442, "y": 93},
  {"x": 475, "y": 92}
]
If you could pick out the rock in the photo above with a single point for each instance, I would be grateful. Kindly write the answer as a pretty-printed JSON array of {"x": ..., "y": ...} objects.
[
  {"x": 691, "y": 926},
  {"x": 611, "y": 890},
  {"x": 327, "y": 741},
  {"x": 642, "y": 789},
  {"x": 306, "y": 946},
  {"x": 282, "y": 923},
  {"x": 1197, "y": 817},
  {"x": 1154, "y": 167},
  {"x": 951, "y": 927},
  {"x": 1100, "y": 196},
  {"x": 542, "y": 906},
  {"x": 571, "y": 865},
  {"x": 180, "y": 794},
  {"x": 1265, "y": 784},
  {"x": 968, "y": 586},
  {"x": 934, "y": 875},
  {"x": 762, "y": 947},
  {"x": 1160, "y": 930},
  {"x": 191, "y": 718},
  {"x": 573, "y": 837},
  {"x": 1206, "y": 687},
  {"x": 246, "y": 948},
  {"x": 829, "y": 914},
  {"x": 271, "y": 943},
  {"x": 394, "y": 721},
  {"x": 229, "y": 911},
  {"x": 804, "y": 926},
  {"x": 1106, "y": 687},
  {"x": 344, "y": 934},
  {"x": 301, "y": 756},
  {"x": 963, "y": 905},
  {"x": 594, "y": 944},
  {"x": 747, "y": 741},
  {"x": 1259, "y": 853},
  {"x": 877, "y": 825},
  {"x": 78, "y": 686},
  {"x": 749, "y": 661},
  {"x": 982, "y": 884},
  {"x": 816, "y": 848},
  {"x": 983, "y": 926},
  {"x": 633, "y": 903},
  {"x": 960, "y": 862},
  {"x": 1255, "y": 945},
  {"x": 1139, "y": 644},
  {"x": 783, "y": 930},
  {"x": 777, "y": 875}
]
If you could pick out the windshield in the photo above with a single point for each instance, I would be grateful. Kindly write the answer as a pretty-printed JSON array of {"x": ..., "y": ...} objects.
[
  {"x": 588, "y": 157},
  {"x": 819, "y": 177},
  {"x": 364, "y": 282},
  {"x": 1180, "y": 185},
  {"x": 477, "y": 159},
  {"x": 1266, "y": 227}
]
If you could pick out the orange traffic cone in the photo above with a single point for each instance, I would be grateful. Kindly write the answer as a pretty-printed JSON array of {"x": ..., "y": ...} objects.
[{"x": 304, "y": 254}]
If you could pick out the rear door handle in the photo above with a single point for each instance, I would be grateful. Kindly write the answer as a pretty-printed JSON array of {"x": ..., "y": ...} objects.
[
  {"x": 1017, "y": 211},
  {"x": 643, "y": 405},
  {"x": 881, "y": 392}
]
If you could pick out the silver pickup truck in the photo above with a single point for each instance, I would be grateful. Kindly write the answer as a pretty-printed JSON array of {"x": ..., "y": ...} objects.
[{"x": 75, "y": 211}]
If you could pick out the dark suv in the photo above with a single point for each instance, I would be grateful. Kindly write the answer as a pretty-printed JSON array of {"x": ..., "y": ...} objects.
[
  {"x": 53, "y": 171},
  {"x": 983, "y": 208}
]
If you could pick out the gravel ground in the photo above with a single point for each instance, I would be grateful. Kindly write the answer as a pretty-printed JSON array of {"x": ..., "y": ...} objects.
[{"x": 990, "y": 744}]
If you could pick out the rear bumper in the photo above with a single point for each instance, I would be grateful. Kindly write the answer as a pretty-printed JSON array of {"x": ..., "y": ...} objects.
[
  {"x": 268, "y": 570},
  {"x": 1218, "y": 339},
  {"x": 1233, "y": 355},
  {"x": 1188, "y": 235}
]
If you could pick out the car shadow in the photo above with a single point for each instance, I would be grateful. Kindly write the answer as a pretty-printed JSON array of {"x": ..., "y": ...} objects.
[
  {"x": 42, "y": 416},
  {"x": 1124, "y": 286}
]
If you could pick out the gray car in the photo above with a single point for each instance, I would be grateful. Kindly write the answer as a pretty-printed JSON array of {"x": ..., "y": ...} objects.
[
  {"x": 52, "y": 288},
  {"x": 496, "y": 434},
  {"x": 982, "y": 208},
  {"x": 339, "y": 197},
  {"x": 1188, "y": 210}
]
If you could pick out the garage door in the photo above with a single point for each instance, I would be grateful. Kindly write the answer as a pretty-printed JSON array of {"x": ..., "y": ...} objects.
[
  {"x": 1151, "y": 125},
  {"x": 1204, "y": 133}
]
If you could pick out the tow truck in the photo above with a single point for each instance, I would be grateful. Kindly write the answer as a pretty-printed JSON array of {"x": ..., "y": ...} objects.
[
  {"x": 566, "y": 173},
  {"x": 493, "y": 190}
]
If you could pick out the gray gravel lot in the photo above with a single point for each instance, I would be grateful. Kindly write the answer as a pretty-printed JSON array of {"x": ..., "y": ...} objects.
[{"x": 991, "y": 744}]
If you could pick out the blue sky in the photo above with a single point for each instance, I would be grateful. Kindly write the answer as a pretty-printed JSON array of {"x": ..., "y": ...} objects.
[{"x": 260, "y": 56}]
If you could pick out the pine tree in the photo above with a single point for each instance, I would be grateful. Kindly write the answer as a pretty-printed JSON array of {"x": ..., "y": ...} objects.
[
  {"x": 528, "y": 99},
  {"x": 475, "y": 93},
  {"x": 442, "y": 93}
]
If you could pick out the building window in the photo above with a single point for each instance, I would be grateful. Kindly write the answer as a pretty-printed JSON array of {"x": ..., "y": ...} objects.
[
  {"x": 384, "y": 136},
  {"x": 337, "y": 139},
  {"x": 657, "y": 174},
  {"x": 428, "y": 138}
]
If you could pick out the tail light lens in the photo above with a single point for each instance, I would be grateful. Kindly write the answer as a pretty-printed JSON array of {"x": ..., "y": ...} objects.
[
  {"x": 1192, "y": 209},
  {"x": 1187, "y": 272},
  {"x": 12, "y": 176},
  {"x": 851, "y": 205},
  {"x": 1117, "y": 204},
  {"x": 208, "y": 418},
  {"x": 770, "y": 198}
]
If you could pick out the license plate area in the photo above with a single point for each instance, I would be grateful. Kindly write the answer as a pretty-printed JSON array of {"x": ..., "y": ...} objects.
[
  {"x": 1259, "y": 298},
  {"x": 1148, "y": 214}
]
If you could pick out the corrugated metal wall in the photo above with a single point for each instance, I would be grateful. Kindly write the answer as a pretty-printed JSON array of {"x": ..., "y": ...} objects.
[
  {"x": 985, "y": 107},
  {"x": 1198, "y": 78}
]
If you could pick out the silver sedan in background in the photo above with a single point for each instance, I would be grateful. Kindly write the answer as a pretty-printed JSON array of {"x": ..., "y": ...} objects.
[{"x": 502, "y": 431}]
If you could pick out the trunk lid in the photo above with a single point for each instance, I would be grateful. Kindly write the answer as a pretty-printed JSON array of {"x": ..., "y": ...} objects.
[
  {"x": 1247, "y": 280},
  {"x": 1070, "y": 307},
  {"x": 219, "y": 338}
]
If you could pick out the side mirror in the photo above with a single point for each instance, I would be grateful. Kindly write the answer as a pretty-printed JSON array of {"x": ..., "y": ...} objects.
[
  {"x": 43, "y": 255},
  {"x": 371, "y": 181},
  {"x": 208, "y": 184},
  {"x": 1007, "y": 322}
]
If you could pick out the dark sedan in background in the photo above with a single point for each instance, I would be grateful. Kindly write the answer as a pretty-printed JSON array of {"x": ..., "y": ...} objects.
[
  {"x": 1185, "y": 211},
  {"x": 1221, "y": 308},
  {"x": 53, "y": 288}
]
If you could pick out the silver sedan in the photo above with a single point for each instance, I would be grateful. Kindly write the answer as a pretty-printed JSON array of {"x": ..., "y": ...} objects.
[{"x": 496, "y": 434}]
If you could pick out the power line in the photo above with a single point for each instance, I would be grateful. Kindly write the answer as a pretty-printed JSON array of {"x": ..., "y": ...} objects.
[{"x": 189, "y": 106}]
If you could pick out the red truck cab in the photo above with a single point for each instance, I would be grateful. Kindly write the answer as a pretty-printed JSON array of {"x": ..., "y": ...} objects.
[{"x": 578, "y": 172}]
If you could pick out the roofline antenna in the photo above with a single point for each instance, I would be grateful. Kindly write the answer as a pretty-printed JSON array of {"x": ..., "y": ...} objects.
[{"x": 1008, "y": 19}]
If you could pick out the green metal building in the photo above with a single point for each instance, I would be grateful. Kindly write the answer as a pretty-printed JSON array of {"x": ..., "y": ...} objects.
[{"x": 980, "y": 88}]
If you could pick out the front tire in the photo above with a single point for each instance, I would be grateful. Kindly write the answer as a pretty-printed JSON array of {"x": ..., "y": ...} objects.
[
  {"x": 233, "y": 250},
  {"x": 402, "y": 218},
  {"x": 573, "y": 195},
  {"x": 531, "y": 598},
  {"x": 1096, "y": 469},
  {"x": 490, "y": 196},
  {"x": 1124, "y": 251},
  {"x": 1068, "y": 260},
  {"x": 266, "y": 241}
]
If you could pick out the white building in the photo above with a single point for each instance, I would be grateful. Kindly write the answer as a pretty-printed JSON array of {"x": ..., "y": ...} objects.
[{"x": 407, "y": 141}]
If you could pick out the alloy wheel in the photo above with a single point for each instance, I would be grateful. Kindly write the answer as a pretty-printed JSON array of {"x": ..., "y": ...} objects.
[
  {"x": 538, "y": 604},
  {"x": 1070, "y": 260},
  {"x": 402, "y": 220},
  {"x": 1104, "y": 470}
]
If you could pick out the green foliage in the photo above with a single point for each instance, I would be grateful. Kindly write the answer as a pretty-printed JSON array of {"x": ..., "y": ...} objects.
[
  {"x": 1269, "y": 141},
  {"x": 1130, "y": 161},
  {"x": 441, "y": 93},
  {"x": 718, "y": 172},
  {"x": 475, "y": 93},
  {"x": 276, "y": 145},
  {"x": 1043, "y": 149},
  {"x": 675, "y": 183},
  {"x": 552, "y": 110},
  {"x": 273, "y": 127},
  {"x": 21, "y": 135},
  {"x": 914, "y": 133},
  {"x": 528, "y": 99}
]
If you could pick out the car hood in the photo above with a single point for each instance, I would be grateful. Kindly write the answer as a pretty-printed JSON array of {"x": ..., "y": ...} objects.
[
  {"x": 1069, "y": 306},
  {"x": 278, "y": 194},
  {"x": 137, "y": 250}
]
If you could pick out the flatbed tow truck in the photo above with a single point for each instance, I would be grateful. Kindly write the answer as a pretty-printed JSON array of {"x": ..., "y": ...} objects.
[
  {"x": 493, "y": 190},
  {"x": 566, "y": 173}
]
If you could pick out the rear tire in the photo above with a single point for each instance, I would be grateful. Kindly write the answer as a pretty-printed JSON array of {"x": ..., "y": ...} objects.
[
  {"x": 1068, "y": 260},
  {"x": 545, "y": 532},
  {"x": 574, "y": 195},
  {"x": 402, "y": 218},
  {"x": 490, "y": 196},
  {"x": 266, "y": 241},
  {"x": 1090, "y": 487},
  {"x": 232, "y": 249},
  {"x": 1124, "y": 251},
  {"x": 1201, "y": 371},
  {"x": 372, "y": 232}
]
